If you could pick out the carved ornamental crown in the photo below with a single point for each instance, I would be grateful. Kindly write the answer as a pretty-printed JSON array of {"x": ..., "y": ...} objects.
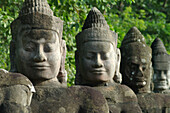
[
  {"x": 134, "y": 44},
  {"x": 38, "y": 15},
  {"x": 96, "y": 29}
]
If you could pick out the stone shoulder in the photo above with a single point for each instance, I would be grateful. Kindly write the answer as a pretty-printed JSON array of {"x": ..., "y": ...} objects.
[
  {"x": 10, "y": 79},
  {"x": 118, "y": 93},
  {"x": 149, "y": 99},
  {"x": 127, "y": 93}
]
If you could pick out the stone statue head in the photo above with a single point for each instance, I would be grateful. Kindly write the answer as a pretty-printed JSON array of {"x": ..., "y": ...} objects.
[
  {"x": 37, "y": 47},
  {"x": 161, "y": 66},
  {"x": 136, "y": 66},
  {"x": 97, "y": 55}
]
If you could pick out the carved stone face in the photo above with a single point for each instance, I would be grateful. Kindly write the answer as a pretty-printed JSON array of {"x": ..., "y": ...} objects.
[
  {"x": 97, "y": 62},
  {"x": 161, "y": 79},
  {"x": 38, "y": 54},
  {"x": 137, "y": 70}
]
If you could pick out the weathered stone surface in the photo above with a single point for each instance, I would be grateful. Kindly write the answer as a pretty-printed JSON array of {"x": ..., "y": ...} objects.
[
  {"x": 62, "y": 75},
  {"x": 97, "y": 64},
  {"x": 136, "y": 72},
  {"x": 136, "y": 66},
  {"x": 154, "y": 103},
  {"x": 161, "y": 66},
  {"x": 38, "y": 52},
  {"x": 98, "y": 42},
  {"x": 15, "y": 92},
  {"x": 76, "y": 99},
  {"x": 120, "y": 98}
]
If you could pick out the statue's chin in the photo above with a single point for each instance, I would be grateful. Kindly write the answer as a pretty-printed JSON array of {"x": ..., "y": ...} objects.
[
  {"x": 141, "y": 84},
  {"x": 161, "y": 87},
  {"x": 101, "y": 79}
]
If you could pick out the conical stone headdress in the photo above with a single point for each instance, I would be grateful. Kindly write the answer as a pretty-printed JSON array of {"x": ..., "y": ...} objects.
[
  {"x": 133, "y": 35},
  {"x": 38, "y": 15},
  {"x": 95, "y": 19},
  {"x": 158, "y": 47},
  {"x": 134, "y": 44},
  {"x": 95, "y": 29},
  {"x": 160, "y": 58}
]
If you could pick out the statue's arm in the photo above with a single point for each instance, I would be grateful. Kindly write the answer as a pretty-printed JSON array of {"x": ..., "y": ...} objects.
[{"x": 16, "y": 92}]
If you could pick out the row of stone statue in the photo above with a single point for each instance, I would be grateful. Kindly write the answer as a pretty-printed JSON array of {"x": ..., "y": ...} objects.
[{"x": 108, "y": 80}]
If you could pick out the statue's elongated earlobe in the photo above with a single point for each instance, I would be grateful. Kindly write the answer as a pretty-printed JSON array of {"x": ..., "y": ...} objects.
[
  {"x": 118, "y": 76},
  {"x": 12, "y": 56}
]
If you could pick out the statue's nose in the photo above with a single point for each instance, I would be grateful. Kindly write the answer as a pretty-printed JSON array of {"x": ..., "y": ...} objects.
[
  {"x": 140, "y": 72},
  {"x": 40, "y": 55},
  {"x": 98, "y": 61},
  {"x": 162, "y": 75}
]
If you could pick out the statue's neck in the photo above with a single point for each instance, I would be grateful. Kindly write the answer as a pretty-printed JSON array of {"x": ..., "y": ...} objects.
[
  {"x": 97, "y": 84},
  {"x": 50, "y": 82},
  {"x": 161, "y": 91},
  {"x": 145, "y": 89},
  {"x": 137, "y": 89}
]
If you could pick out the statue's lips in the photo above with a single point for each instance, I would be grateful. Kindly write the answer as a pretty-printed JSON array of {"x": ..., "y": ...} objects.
[
  {"x": 140, "y": 79},
  {"x": 98, "y": 71},
  {"x": 161, "y": 83},
  {"x": 40, "y": 66}
]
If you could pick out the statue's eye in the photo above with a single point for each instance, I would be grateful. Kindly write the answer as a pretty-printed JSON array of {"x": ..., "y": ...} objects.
[
  {"x": 165, "y": 72},
  {"x": 29, "y": 47},
  {"x": 89, "y": 56},
  {"x": 48, "y": 47},
  {"x": 156, "y": 71},
  {"x": 105, "y": 56},
  {"x": 143, "y": 68},
  {"x": 133, "y": 67}
]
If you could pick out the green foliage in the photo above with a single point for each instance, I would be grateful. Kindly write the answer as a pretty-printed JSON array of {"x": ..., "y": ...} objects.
[
  {"x": 8, "y": 12},
  {"x": 151, "y": 17}
]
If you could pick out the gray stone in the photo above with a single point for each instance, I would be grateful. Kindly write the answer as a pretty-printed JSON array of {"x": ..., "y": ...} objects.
[
  {"x": 136, "y": 65},
  {"x": 97, "y": 64},
  {"x": 37, "y": 49},
  {"x": 76, "y": 99},
  {"x": 120, "y": 98},
  {"x": 161, "y": 66},
  {"x": 15, "y": 92},
  {"x": 154, "y": 102},
  {"x": 136, "y": 69},
  {"x": 38, "y": 52}
]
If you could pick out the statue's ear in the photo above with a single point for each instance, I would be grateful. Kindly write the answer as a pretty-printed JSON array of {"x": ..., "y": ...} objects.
[
  {"x": 12, "y": 56},
  {"x": 118, "y": 77},
  {"x": 76, "y": 59},
  {"x": 62, "y": 75},
  {"x": 78, "y": 76},
  {"x": 151, "y": 77}
]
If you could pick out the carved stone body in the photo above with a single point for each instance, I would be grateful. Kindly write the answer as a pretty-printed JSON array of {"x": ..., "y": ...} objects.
[
  {"x": 97, "y": 64},
  {"x": 77, "y": 99},
  {"x": 120, "y": 98},
  {"x": 154, "y": 102}
]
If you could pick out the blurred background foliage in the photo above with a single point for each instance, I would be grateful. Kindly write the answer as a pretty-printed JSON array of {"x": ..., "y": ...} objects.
[{"x": 151, "y": 17}]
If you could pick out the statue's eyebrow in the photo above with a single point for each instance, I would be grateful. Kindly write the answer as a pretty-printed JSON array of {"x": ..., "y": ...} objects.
[{"x": 132, "y": 59}]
